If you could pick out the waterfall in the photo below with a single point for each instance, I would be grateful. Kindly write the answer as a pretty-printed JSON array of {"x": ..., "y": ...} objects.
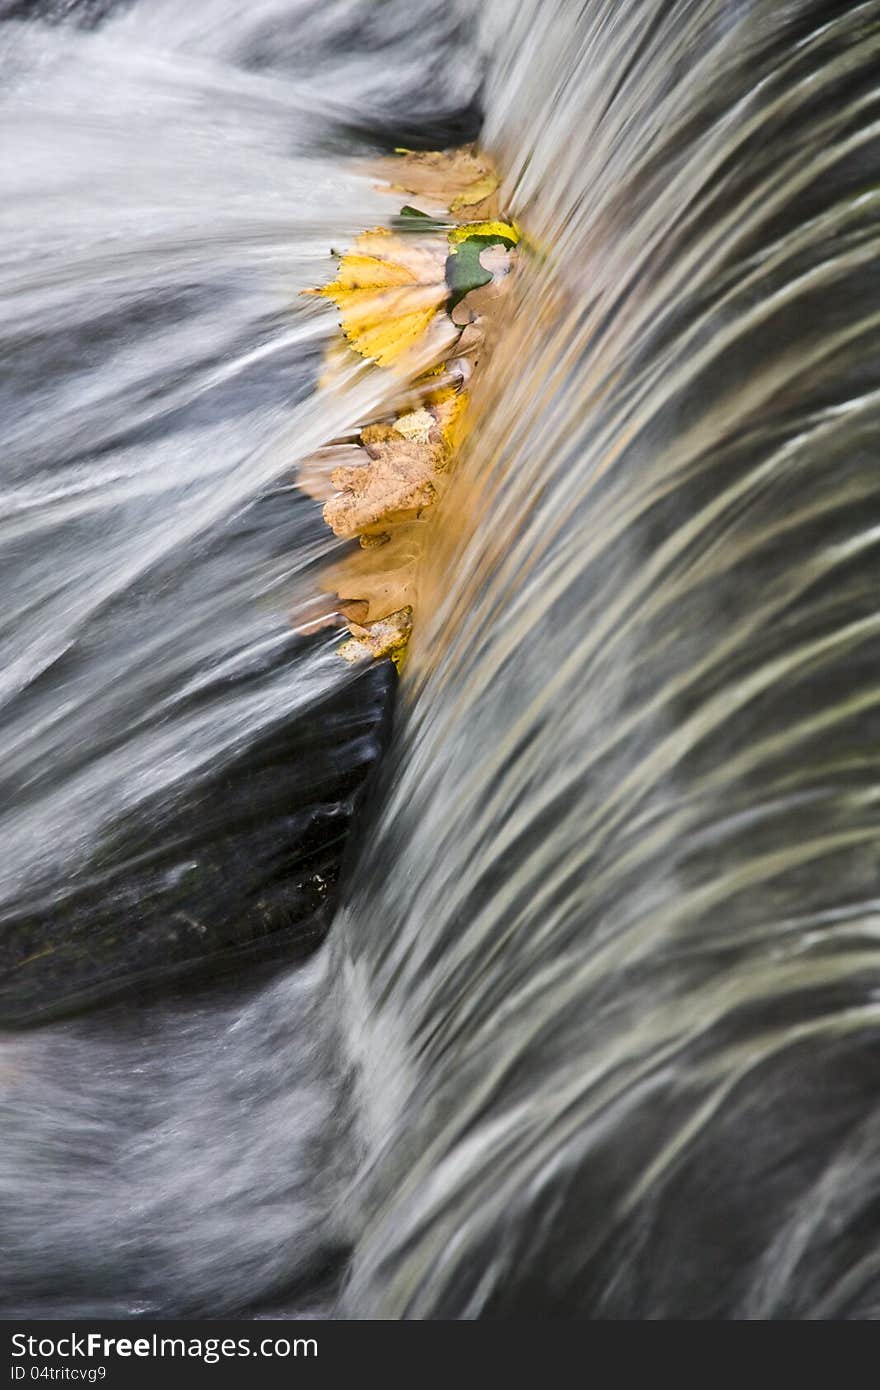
[{"x": 558, "y": 998}]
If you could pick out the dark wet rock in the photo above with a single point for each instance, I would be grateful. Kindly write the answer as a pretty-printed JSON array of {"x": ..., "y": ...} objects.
[{"x": 241, "y": 869}]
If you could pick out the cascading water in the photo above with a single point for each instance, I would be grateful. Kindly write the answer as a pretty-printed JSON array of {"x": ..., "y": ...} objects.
[
  {"x": 167, "y": 190},
  {"x": 595, "y": 1030},
  {"x": 622, "y": 975},
  {"x": 178, "y": 766}
]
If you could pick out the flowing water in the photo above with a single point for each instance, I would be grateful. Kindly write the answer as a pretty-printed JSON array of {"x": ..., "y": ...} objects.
[{"x": 595, "y": 1029}]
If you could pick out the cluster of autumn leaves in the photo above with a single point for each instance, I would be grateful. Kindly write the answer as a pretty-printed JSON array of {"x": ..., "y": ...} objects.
[{"x": 420, "y": 300}]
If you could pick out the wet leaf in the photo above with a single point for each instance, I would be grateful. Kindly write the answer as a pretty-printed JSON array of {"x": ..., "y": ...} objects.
[
  {"x": 380, "y": 579},
  {"x": 475, "y": 261},
  {"x": 397, "y": 478},
  {"x": 497, "y": 230},
  {"x": 463, "y": 270},
  {"x": 388, "y": 290},
  {"x": 457, "y": 180},
  {"x": 476, "y": 192},
  {"x": 387, "y": 637}
]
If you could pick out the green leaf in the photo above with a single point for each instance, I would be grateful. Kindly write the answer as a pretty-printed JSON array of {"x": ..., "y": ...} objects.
[
  {"x": 463, "y": 270},
  {"x": 411, "y": 219}
]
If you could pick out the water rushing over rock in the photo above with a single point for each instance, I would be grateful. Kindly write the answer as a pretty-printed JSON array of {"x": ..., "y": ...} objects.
[
  {"x": 623, "y": 974},
  {"x": 165, "y": 194},
  {"x": 595, "y": 1033}
]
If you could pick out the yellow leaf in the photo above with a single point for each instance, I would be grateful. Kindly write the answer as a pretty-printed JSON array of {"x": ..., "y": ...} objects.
[
  {"x": 442, "y": 175},
  {"x": 509, "y": 230},
  {"x": 449, "y": 413},
  {"x": 395, "y": 332},
  {"x": 388, "y": 290},
  {"x": 475, "y": 192}
]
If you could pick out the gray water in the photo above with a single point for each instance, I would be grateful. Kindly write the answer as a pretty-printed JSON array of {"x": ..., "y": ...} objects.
[
  {"x": 594, "y": 1034},
  {"x": 169, "y": 182},
  {"x": 168, "y": 186},
  {"x": 618, "y": 996}
]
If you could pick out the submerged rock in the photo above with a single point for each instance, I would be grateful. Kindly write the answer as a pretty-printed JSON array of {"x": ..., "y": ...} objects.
[{"x": 241, "y": 868}]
